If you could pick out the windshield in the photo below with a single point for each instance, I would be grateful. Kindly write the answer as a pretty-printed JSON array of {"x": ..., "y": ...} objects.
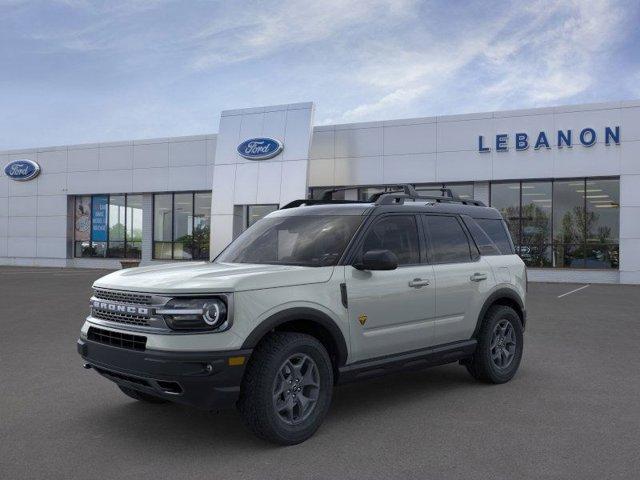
[{"x": 310, "y": 240}]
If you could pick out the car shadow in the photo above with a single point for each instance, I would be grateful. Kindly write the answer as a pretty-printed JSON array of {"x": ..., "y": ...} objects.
[{"x": 175, "y": 427}]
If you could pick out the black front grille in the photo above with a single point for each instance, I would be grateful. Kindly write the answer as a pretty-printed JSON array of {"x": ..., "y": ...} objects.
[
  {"x": 119, "y": 317},
  {"x": 123, "y": 297},
  {"x": 117, "y": 339}
]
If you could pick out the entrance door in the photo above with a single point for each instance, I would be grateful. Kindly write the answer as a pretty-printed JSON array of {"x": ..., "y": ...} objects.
[{"x": 391, "y": 311}]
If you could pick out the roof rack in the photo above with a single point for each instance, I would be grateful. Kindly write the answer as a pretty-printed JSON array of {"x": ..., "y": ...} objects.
[
  {"x": 403, "y": 192},
  {"x": 408, "y": 192},
  {"x": 310, "y": 201}
]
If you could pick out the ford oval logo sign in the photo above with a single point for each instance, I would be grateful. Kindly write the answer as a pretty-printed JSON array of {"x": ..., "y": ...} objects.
[
  {"x": 260, "y": 148},
  {"x": 22, "y": 170}
]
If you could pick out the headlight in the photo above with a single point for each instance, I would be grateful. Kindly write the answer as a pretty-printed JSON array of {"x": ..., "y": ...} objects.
[{"x": 196, "y": 314}]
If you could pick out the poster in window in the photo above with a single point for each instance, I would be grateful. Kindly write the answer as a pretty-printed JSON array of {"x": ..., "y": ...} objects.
[
  {"x": 83, "y": 219},
  {"x": 99, "y": 218}
]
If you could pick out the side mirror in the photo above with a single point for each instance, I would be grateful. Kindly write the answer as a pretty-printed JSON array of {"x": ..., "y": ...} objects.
[{"x": 378, "y": 260}]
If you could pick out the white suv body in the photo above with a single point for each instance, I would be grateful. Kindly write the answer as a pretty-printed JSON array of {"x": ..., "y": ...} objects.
[{"x": 364, "y": 287}]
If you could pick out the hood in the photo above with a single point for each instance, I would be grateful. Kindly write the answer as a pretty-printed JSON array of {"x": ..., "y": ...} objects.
[{"x": 205, "y": 277}]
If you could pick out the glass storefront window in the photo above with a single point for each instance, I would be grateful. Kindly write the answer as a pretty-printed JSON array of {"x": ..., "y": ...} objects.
[
  {"x": 363, "y": 194},
  {"x": 134, "y": 226},
  {"x": 106, "y": 226},
  {"x": 162, "y": 226},
  {"x": 117, "y": 214},
  {"x": 506, "y": 198},
  {"x": 201, "y": 225},
  {"x": 181, "y": 226},
  {"x": 257, "y": 212},
  {"x": 603, "y": 223},
  {"x": 562, "y": 223},
  {"x": 535, "y": 217}
]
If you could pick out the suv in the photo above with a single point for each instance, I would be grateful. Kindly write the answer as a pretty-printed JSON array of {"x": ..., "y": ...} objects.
[{"x": 317, "y": 293}]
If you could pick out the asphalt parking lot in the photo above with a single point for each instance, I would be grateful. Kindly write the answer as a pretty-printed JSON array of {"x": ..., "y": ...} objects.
[{"x": 573, "y": 410}]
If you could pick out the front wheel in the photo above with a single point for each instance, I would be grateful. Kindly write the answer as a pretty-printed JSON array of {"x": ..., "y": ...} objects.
[
  {"x": 287, "y": 388},
  {"x": 500, "y": 344}
]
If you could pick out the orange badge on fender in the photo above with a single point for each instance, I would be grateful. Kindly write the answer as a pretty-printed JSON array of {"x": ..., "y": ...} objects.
[{"x": 362, "y": 318}]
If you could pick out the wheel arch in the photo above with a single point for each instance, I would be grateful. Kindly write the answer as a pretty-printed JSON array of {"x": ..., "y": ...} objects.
[
  {"x": 506, "y": 297},
  {"x": 304, "y": 320}
]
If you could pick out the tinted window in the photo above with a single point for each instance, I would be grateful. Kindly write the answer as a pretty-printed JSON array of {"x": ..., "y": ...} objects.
[
  {"x": 449, "y": 243},
  {"x": 497, "y": 232},
  {"x": 482, "y": 240},
  {"x": 398, "y": 234},
  {"x": 311, "y": 240}
]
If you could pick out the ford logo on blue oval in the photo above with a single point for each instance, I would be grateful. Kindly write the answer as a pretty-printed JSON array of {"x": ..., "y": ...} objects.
[
  {"x": 22, "y": 170},
  {"x": 260, "y": 148}
]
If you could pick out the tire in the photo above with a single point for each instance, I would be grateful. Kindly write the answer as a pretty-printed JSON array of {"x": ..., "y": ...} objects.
[
  {"x": 492, "y": 363},
  {"x": 287, "y": 388},
  {"x": 141, "y": 396}
]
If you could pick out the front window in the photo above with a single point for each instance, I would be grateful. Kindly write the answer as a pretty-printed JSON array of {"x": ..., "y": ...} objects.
[{"x": 310, "y": 240}]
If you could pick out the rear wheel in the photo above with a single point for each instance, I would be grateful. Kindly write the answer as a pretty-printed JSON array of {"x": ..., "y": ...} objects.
[
  {"x": 500, "y": 344},
  {"x": 141, "y": 396},
  {"x": 287, "y": 388}
]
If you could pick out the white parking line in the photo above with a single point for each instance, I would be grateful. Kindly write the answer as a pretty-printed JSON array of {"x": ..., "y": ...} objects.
[{"x": 573, "y": 291}]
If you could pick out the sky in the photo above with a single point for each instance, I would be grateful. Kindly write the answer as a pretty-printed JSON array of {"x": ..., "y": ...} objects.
[{"x": 76, "y": 71}]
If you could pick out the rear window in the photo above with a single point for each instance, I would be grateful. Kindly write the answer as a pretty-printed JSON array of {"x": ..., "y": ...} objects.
[{"x": 497, "y": 232}]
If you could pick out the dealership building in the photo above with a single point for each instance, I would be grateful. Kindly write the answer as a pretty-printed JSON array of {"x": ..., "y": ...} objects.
[{"x": 566, "y": 179}]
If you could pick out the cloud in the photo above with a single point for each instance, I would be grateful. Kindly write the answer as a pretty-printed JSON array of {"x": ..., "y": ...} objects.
[
  {"x": 541, "y": 53},
  {"x": 93, "y": 71},
  {"x": 247, "y": 33}
]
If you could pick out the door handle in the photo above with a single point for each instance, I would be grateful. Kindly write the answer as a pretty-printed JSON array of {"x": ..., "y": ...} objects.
[
  {"x": 478, "y": 277},
  {"x": 418, "y": 282}
]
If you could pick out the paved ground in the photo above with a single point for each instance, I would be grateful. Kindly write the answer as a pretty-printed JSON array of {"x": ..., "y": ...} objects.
[{"x": 573, "y": 411}]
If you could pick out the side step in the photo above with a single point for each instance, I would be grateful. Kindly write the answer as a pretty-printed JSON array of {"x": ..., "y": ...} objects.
[{"x": 414, "y": 360}]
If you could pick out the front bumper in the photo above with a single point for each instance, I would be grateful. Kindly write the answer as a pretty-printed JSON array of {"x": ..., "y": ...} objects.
[{"x": 202, "y": 379}]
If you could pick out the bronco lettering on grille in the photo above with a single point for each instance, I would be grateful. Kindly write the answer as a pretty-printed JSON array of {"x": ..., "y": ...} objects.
[{"x": 117, "y": 308}]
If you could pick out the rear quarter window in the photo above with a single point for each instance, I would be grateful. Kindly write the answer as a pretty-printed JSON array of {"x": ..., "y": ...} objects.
[{"x": 497, "y": 231}]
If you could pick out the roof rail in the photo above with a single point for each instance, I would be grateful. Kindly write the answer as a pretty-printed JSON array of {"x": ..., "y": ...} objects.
[
  {"x": 403, "y": 192},
  {"x": 309, "y": 201},
  {"x": 408, "y": 192}
]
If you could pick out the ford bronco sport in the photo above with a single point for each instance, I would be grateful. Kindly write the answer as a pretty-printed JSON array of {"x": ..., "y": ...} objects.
[{"x": 317, "y": 293}]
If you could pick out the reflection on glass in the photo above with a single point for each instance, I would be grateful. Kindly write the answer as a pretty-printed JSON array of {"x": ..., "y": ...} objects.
[
  {"x": 162, "y": 250},
  {"x": 568, "y": 212},
  {"x": 182, "y": 225},
  {"x": 603, "y": 223},
  {"x": 535, "y": 248},
  {"x": 116, "y": 232},
  {"x": 134, "y": 226},
  {"x": 257, "y": 212},
  {"x": 506, "y": 198},
  {"x": 364, "y": 194},
  {"x": 568, "y": 256},
  {"x": 162, "y": 217},
  {"x": 201, "y": 223},
  {"x": 461, "y": 190}
]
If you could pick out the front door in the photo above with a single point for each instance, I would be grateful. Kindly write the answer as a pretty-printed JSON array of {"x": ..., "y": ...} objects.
[{"x": 391, "y": 311}]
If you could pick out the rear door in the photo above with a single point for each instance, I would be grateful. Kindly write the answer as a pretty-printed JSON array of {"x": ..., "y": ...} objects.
[
  {"x": 391, "y": 311},
  {"x": 462, "y": 277}
]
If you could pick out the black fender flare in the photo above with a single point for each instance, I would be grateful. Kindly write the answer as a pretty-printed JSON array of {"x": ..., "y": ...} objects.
[
  {"x": 501, "y": 293},
  {"x": 296, "y": 314}
]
